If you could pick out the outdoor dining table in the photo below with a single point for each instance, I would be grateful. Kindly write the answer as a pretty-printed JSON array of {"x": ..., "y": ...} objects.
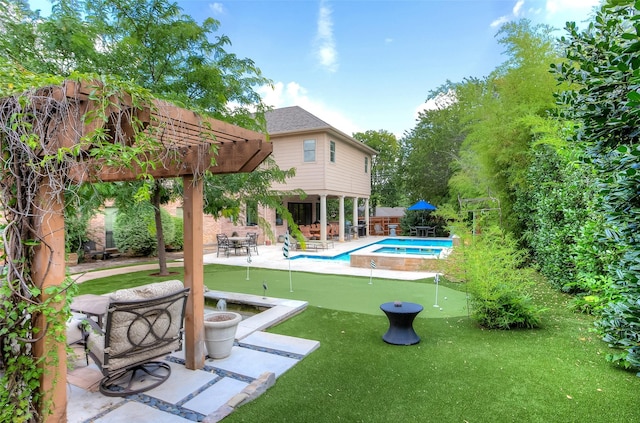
[
  {"x": 239, "y": 242},
  {"x": 401, "y": 316},
  {"x": 425, "y": 231},
  {"x": 91, "y": 305}
]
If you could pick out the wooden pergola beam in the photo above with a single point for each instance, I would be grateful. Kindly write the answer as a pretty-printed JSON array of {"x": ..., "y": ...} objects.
[{"x": 230, "y": 157}]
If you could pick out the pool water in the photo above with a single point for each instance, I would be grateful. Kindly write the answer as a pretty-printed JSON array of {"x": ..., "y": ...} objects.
[
  {"x": 400, "y": 246},
  {"x": 245, "y": 310},
  {"x": 419, "y": 242}
]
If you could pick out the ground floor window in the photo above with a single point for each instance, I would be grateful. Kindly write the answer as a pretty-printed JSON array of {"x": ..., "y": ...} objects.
[
  {"x": 109, "y": 220},
  {"x": 252, "y": 213},
  {"x": 301, "y": 213}
]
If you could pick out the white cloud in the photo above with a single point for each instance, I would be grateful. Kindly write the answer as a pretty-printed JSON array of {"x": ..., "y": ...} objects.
[
  {"x": 518, "y": 7},
  {"x": 388, "y": 40},
  {"x": 293, "y": 94},
  {"x": 441, "y": 101},
  {"x": 551, "y": 12},
  {"x": 561, "y": 6},
  {"x": 570, "y": 7},
  {"x": 326, "y": 46},
  {"x": 216, "y": 8},
  {"x": 498, "y": 22}
]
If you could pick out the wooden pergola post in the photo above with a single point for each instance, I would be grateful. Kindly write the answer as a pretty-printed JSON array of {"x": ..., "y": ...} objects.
[
  {"x": 193, "y": 273},
  {"x": 49, "y": 270}
]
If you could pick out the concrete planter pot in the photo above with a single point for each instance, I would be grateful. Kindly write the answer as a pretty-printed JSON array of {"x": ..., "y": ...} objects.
[
  {"x": 71, "y": 259},
  {"x": 220, "y": 332}
]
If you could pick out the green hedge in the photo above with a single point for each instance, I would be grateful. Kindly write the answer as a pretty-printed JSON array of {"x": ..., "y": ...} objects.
[{"x": 135, "y": 231}]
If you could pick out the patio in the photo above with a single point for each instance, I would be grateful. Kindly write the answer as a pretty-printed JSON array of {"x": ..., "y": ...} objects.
[{"x": 208, "y": 394}]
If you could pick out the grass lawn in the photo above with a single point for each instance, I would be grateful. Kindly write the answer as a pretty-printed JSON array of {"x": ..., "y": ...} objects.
[{"x": 457, "y": 373}]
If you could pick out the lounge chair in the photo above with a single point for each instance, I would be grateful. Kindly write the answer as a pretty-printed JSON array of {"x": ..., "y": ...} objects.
[
  {"x": 332, "y": 231},
  {"x": 315, "y": 231},
  {"x": 91, "y": 251},
  {"x": 141, "y": 324},
  {"x": 306, "y": 231}
]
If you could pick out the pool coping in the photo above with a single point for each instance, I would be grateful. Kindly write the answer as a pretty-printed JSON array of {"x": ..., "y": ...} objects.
[
  {"x": 278, "y": 310},
  {"x": 367, "y": 257},
  {"x": 369, "y": 249}
]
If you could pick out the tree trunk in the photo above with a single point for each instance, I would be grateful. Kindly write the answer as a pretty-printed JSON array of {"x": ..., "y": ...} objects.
[{"x": 162, "y": 253}]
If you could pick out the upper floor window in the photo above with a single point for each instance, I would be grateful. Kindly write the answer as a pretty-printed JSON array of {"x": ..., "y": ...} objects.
[
  {"x": 309, "y": 147},
  {"x": 366, "y": 165},
  {"x": 332, "y": 151}
]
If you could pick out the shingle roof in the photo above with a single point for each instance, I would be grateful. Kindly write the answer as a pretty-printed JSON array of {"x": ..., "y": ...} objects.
[
  {"x": 292, "y": 119},
  {"x": 295, "y": 119}
]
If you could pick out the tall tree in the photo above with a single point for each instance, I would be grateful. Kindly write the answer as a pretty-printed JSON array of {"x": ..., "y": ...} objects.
[
  {"x": 152, "y": 43},
  {"x": 432, "y": 146},
  {"x": 386, "y": 183},
  {"x": 499, "y": 137}
]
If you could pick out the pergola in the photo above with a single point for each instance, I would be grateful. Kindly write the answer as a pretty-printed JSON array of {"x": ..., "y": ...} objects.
[{"x": 190, "y": 144}]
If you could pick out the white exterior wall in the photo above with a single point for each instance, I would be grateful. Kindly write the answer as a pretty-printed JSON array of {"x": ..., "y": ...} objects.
[{"x": 344, "y": 177}]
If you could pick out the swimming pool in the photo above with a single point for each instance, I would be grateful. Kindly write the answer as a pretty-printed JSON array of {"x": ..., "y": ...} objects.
[
  {"x": 429, "y": 251},
  {"x": 417, "y": 242},
  {"x": 415, "y": 246}
]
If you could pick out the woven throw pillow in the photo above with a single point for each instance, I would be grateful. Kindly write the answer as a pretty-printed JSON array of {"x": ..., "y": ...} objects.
[{"x": 145, "y": 292}]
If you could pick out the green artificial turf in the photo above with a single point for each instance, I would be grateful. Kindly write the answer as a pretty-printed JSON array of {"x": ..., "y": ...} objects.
[
  {"x": 457, "y": 373},
  {"x": 337, "y": 292}
]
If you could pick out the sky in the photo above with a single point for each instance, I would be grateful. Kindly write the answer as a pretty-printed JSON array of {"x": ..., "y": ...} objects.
[{"x": 364, "y": 65}]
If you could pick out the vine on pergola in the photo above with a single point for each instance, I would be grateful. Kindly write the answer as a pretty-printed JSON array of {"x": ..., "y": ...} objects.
[{"x": 50, "y": 140}]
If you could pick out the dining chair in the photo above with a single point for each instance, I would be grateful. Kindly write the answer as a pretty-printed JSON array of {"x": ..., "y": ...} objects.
[
  {"x": 253, "y": 241},
  {"x": 223, "y": 244}
]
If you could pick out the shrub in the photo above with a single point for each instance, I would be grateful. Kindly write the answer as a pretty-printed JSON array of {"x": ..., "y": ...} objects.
[
  {"x": 178, "y": 240},
  {"x": 490, "y": 264},
  {"x": 135, "y": 231},
  {"x": 168, "y": 227}
]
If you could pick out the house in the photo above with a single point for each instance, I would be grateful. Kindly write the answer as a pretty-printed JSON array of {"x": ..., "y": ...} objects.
[
  {"x": 331, "y": 168},
  {"x": 329, "y": 165}
]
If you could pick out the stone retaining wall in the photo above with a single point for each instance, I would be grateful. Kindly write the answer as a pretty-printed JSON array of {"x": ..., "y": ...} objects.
[{"x": 397, "y": 262}]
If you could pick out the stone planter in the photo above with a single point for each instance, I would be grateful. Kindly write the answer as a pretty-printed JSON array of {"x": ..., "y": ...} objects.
[
  {"x": 220, "y": 332},
  {"x": 72, "y": 259}
]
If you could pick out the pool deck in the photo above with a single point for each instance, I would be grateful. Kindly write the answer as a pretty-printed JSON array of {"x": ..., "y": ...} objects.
[
  {"x": 257, "y": 359},
  {"x": 271, "y": 257}
]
